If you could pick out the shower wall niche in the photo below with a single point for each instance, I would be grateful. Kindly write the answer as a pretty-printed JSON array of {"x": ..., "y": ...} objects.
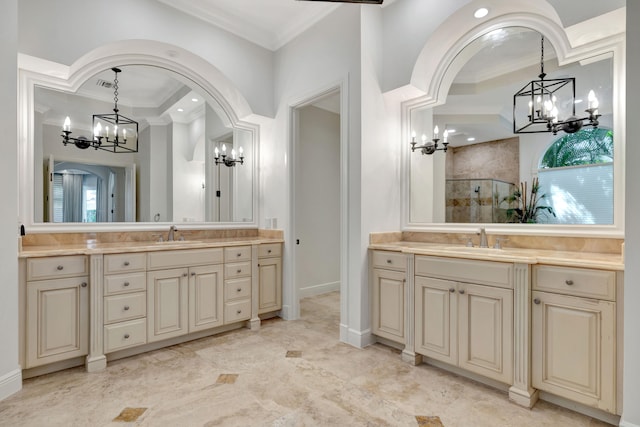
[{"x": 477, "y": 200}]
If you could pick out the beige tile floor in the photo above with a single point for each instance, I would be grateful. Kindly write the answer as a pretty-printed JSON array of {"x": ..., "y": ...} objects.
[{"x": 293, "y": 373}]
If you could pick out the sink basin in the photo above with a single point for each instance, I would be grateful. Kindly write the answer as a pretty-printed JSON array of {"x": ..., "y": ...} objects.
[
  {"x": 474, "y": 249},
  {"x": 176, "y": 242}
]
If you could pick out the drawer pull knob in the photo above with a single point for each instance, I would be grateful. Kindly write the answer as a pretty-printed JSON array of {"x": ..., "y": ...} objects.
[
  {"x": 193, "y": 273},
  {"x": 60, "y": 267},
  {"x": 536, "y": 300},
  {"x": 239, "y": 289},
  {"x": 125, "y": 284},
  {"x": 126, "y": 263},
  {"x": 388, "y": 261},
  {"x": 452, "y": 290},
  {"x": 239, "y": 271},
  {"x": 239, "y": 254},
  {"x": 269, "y": 251},
  {"x": 569, "y": 282},
  {"x": 239, "y": 312},
  {"x": 83, "y": 284},
  {"x": 461, "y": 291},
  {"x": 126, "y": 308},
  {"x": 126, "y": 336}
]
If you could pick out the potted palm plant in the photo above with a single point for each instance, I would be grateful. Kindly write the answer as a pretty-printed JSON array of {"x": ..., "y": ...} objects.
[{"x": 526, "y": 207}]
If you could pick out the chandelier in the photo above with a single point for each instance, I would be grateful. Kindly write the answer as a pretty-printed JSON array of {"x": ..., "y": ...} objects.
[
  {"x": 430, "y": 147},
  {"x": 228, "y": 161},
  {"x": 535, "y": 106},
  {"x": 122, "y": 137}
]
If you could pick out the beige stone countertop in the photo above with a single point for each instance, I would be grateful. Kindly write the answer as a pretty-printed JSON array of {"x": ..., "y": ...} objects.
[
  {"x": 518, "y": 255},
  {"x": 92, "y": 247}
]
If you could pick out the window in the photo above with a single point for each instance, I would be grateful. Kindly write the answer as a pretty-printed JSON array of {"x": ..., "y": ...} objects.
[{"x": 576, "y": 174}]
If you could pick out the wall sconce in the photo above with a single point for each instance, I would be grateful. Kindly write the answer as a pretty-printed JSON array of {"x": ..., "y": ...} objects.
[
  {"x": 430, "y": 147},
  {"x": 229, "y": 162}
]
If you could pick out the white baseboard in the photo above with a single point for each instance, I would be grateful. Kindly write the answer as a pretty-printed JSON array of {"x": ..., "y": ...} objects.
[
  {"x": 627, "y": 424},
  {"x": 10, "y": 383},
  {"x": 359, "y": 339},
  {"x": 320, "y": 289}
]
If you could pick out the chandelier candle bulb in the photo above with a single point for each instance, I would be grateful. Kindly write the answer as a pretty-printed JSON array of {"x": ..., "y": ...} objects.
[
  {"x": 445, "y": 136},
  {"x": 241, "y": 151},
  {"x": 66, "y": 127},
  {"x": 436, "y": 131}
]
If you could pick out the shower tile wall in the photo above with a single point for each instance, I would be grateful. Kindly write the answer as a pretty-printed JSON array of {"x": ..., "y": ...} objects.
[{"x": 476, "y": 200}]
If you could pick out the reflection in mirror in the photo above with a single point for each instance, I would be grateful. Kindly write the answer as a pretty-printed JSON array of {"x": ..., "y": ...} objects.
[
  {"x": 173, "y": 176},
  {"x": 478, "y": 179}
]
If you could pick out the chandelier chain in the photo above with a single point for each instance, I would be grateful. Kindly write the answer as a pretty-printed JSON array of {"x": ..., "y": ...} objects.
[
  {"x": 542, "y": 74},
  {"x": 115, "y": 92}
]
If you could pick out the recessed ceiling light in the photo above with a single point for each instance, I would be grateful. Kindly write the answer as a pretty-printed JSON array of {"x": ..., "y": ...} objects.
[
  {"x": 451, "y": 131},
  {"x": 180, "y": 110},
  {"x": 194, "y": 99},
  {"x": 578, "y": 101},
  {"x": 471, "y": 139},
  {"x": 481, "y": 13}
]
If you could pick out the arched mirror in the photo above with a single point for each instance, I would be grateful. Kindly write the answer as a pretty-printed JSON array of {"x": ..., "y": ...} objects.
[
  {"x": 171, "y": 175},
  {"x": 488, "y": 171}
]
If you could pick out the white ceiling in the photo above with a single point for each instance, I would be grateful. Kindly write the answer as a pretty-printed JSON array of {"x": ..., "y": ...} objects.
[{"x": 268, "y": 23}]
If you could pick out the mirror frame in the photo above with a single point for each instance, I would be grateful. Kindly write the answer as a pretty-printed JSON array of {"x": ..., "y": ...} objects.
[
  {"x": 215, "y": 86},
  {"x": 441, "y": 60}
]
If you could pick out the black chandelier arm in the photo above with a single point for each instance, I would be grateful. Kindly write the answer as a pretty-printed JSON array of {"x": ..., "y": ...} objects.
[
  {"x": 429, "y": 148},
  {"x": 574, "y": 124},
  {"x": 228, "y": 162}
]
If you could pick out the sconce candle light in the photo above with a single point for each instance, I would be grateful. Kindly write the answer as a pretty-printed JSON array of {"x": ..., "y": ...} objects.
[
  {"x": 116, "y": 143},
  {"x": 229, "y": 162},
  {"x": 430, "y": 147}
]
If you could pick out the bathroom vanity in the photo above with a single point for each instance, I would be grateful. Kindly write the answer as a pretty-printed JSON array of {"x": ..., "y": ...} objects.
[
  {"x": 534, "y": 322},
  {"x": 93, "y": 302}
]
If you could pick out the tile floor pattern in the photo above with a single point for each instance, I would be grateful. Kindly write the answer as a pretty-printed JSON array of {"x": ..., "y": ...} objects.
[{"x": 331, "y": 384}]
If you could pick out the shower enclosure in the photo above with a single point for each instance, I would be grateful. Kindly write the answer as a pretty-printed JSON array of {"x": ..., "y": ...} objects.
[{"x": 477, "y": 200}]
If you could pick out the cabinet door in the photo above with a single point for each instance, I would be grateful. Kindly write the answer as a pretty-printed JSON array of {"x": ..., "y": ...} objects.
[
  {"x": 485, "y": 331},
  {"x": 574, "y": 348},
  {"x": 388, "y": 304},
  {"x": 167, "y": 303},
  {"x": 205, "y": 297},
  {"x": 57, "y": 320},
  {"x": 270, "y": 285},
  {"x": 436, "y": 319}
]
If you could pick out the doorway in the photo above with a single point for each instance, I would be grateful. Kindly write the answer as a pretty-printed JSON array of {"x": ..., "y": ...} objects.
[{"x": 317, "y": 197}]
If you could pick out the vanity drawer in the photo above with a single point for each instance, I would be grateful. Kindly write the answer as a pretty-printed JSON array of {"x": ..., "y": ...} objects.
[
  {"x": 122, "y": 263},
  {"x": 468, "y": 271},
  {"x": 269, "y": 250},
  {"x": 57, "y": 267},
  {"x": 237, "y": 269},
  {"x": 184, "y": 258},
  {"x": 237, "y": 311},
  {"x": 389, "y": 260},
  {"x": 122, "y": 283},
  {"x": 125, "y": 334},
  {"x": 237, "y": 288},
  {"x": 237, "y": 253},
  {"x": 582, "y": 282},
  {"x": 125, "y": 307}
]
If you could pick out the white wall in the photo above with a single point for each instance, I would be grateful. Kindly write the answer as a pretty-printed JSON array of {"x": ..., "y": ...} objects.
[
  {"x": 55, "y": 30},
  {"x": 631, "y": 408},
  {"x": 188, "y": 172},
  {"x": 10, "y": 374},
  {"x": 317, "y": 201}
]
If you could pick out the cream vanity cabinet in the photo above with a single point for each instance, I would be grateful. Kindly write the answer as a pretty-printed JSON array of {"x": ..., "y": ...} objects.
[
  {"x": 125, "y": 301},
  {"x": 269, "y": 277},
  {"x": 574, "y": 334},
  {"x": 464, "y": 314},
  {"x": 184, "y": 292},
  {"x": 237, "y": 284},
  {"x": 388, "y": 294},
  {"x": 57, "y": 309}
]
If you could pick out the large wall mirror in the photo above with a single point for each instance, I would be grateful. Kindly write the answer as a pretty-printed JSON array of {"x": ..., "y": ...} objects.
[
  {"x": 172, "y": 178},
  {"x": 486, "y": 164}
]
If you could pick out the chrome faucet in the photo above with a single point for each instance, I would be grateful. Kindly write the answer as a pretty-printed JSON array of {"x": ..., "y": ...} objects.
[
  {"x": 483, "y": 238},
  {"x": 172, "y": 230}
]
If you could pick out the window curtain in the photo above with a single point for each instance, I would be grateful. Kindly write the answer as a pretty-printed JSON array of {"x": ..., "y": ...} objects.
[
  {"x": 101, "y": 205},
  {"x": 72, "y": 197}
]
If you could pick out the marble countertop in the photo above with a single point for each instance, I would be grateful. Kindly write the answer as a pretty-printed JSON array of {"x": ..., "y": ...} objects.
[
  {"x": 517, "y": 255},
  {"x": 93, "y": 247}
]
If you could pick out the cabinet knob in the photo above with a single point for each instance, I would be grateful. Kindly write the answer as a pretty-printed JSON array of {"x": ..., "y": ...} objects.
[
  {"x": 452, "y": 290},
  {"x": 83, "y": 284},
  {"x": 569, "y": 282},
  {"x": 60, "y": 267},
  {"x": 193, "y": 273},
  {"x": 126, "y": 308},
  {"x": 239, "y": 312},
  {"x": 388, "y": 261},
  {"x": 239, "y": 289},
  {"x": 461, "y": 291},
  {"x": 239, "y": 271},
  {"x": 269, "y": 251},
  {"x": 125, "y": 284},
  {"x": 184, "y": 274},
  {"x": 126, "y": 263},
  {"x": 239, "y": 254},
  {"x": 536, "y": 300},
  {"x": 126, "y": 336}
]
